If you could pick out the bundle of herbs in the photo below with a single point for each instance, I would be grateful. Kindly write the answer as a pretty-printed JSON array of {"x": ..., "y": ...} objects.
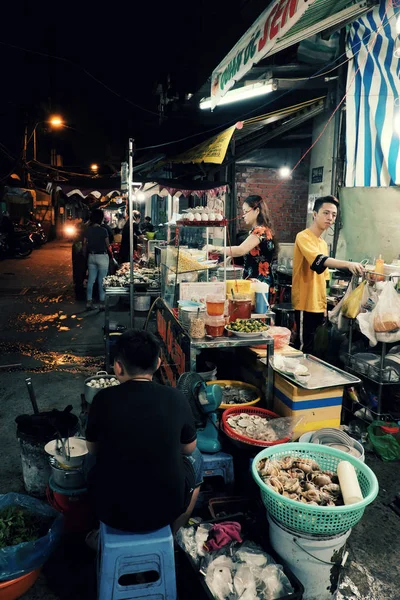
[{"x": 19, "y": 525}]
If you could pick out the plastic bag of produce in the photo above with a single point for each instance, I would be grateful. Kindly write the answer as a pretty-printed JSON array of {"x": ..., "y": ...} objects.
[
  {"x": 384, "y": 444},
  {"x": 387, "y": 315},
  {"x": 29, "y": 532},
  {"x": 281, "y": 336},
  {"x": 352, "y": 304}
]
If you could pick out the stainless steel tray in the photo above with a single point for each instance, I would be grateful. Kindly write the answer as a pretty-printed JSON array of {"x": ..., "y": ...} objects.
[{"x": 323, "y": 375}]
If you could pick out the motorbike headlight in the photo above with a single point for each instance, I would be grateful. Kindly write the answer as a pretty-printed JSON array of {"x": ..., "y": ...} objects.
[{"x": 70, "y": 230}]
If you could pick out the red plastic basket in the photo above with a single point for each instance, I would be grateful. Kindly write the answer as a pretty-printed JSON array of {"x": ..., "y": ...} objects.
[{"x": 261, "y": 412}]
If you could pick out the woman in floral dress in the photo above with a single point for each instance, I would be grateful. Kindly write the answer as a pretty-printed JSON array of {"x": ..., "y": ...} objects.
[{"x": 260, "y": 248}]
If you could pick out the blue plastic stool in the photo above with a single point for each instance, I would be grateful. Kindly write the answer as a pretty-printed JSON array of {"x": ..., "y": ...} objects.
[
  {"x": 122, "y": 554},
  {"x": 219, "y": 464}
]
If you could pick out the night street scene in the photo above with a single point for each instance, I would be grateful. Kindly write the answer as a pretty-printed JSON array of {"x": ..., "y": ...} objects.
[{"x": 200, "y": 301}]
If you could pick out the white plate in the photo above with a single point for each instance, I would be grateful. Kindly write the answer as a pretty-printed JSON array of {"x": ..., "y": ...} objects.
[{"x": 250, "y": 335}]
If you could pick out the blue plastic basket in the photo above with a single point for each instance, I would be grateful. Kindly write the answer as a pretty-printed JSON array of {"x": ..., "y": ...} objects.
[{"x": 317, "y": 520}]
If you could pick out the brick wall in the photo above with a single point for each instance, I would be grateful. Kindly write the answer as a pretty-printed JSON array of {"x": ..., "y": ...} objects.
[{"x": 287, "y": 204}]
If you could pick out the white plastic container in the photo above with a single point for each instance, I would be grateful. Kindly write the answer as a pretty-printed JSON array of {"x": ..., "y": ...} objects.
[{"x": 315, "y": 560}]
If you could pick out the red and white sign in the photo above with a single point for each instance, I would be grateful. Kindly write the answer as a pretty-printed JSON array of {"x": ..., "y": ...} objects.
[{"x": 256, "y": 44}]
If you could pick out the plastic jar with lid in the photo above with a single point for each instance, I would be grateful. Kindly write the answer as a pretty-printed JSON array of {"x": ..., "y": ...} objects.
[
  {"x": 239, "y": 307},
  {"x": 215, "y": 305},
  {"x": 215, "y": 325},
  {"x": 197, "y": 329}
]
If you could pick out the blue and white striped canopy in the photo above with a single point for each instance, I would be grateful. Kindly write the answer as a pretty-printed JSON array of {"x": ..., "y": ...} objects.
[{"x": 372, "y": 145}]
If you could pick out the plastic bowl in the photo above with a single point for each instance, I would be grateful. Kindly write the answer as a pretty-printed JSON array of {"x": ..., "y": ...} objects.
[
  {"x": 241, "y": 384},
  {"x": 306, "y": 439},
  {"x": 15, "y": 588},
  {"x": 150, "y": 235}
]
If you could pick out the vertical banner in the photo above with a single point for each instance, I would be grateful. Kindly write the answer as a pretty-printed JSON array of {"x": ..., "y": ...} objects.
[{"x": 372, "y": 143}]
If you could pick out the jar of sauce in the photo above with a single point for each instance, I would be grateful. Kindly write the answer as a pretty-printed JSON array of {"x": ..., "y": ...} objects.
[
  {"x": 215, "y": 326},
  {"x": 215, "y": 305},
  {"x": 239, "y": 307}
]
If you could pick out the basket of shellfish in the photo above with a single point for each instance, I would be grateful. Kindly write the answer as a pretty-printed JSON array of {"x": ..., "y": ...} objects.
[
  {"x": 300, "y": 488},
  {"x": 250, "y": 425}
]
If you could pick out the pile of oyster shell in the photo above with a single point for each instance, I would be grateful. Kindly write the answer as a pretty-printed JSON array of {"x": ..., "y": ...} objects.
[
  {"x": 252, "y": 426},
  {"x": 302, "y": 479},
  {"x": 103, "y": 382}
]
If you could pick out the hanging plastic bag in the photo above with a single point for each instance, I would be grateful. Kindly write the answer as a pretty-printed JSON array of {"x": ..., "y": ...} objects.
[
  {"x": 387, "y": 315},
  {"x": 366, "y": 323},
  {"x": 369, "y": 298},
  {"x": 352, "y": 304},
  {"x": 19, "y": 559},
  {"x": 336, "y": 312},
  {"x": 384, "y": 444}
]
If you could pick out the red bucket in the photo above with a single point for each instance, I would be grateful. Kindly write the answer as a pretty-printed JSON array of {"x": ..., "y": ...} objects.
[{"x": 76, "y": 507}]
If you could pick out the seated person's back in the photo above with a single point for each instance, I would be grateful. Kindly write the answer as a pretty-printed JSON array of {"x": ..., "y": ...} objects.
[{"x": 141, "y": 480}]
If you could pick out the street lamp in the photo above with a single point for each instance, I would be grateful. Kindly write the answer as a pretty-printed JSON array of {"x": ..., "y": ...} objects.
[
  {"x": 94, "y": 167},
  {"x": 54, "y": 121}
]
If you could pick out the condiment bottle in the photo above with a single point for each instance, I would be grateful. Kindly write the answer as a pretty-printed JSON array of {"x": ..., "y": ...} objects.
[
  {"x": 380, "y": 265},
  {"x": 348, "y": 481}
]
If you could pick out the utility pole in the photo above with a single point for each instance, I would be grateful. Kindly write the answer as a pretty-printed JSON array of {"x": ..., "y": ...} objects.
[
  {"x": 131, "y": 241},
  {"x": 24, "y": 151}
]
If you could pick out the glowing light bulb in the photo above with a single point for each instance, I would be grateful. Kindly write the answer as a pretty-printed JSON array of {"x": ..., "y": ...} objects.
[{"x": 284, "y": 172}]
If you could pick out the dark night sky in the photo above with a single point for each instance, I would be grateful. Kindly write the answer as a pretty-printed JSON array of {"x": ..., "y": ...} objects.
[{"x": 129, "y": 47}]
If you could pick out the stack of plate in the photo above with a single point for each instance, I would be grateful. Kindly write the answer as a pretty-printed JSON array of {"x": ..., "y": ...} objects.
[{"x": 335, "y": 438}]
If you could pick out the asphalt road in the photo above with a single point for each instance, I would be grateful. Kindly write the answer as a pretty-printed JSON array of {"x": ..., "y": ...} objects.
[{"x": 58, "y": 344}]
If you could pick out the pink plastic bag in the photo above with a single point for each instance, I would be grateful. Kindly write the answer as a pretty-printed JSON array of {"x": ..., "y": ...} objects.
[{"x": 281, "y": 336}]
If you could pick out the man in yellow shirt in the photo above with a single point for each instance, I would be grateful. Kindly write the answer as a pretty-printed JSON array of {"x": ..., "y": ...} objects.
[{"x": 310, "y": 272}]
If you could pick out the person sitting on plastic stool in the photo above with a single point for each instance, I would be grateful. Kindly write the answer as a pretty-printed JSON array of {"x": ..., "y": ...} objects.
[{"x": 148, "y": 471}]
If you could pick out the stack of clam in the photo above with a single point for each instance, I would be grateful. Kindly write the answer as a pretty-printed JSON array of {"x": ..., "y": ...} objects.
[{"x": 301, "y": 479}]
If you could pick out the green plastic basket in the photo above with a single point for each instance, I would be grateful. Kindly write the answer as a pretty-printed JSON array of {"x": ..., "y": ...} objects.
[{"x": 317, "y": 520}]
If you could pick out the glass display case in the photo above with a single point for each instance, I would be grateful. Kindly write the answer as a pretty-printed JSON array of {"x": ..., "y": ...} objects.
[{"x": 189, "y": 258}]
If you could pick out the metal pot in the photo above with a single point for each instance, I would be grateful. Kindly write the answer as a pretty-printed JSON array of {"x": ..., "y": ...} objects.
[
  {"x": 69, "y": 479},
  {"x": 337, "y": 290},
  {"x": 231, "y": 273},
  {"x": 141, "y": 303},
  {"x": 90, "y": 392}
]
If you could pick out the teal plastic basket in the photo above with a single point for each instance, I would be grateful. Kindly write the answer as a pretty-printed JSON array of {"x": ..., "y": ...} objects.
[{"x": 317, "y": 520}]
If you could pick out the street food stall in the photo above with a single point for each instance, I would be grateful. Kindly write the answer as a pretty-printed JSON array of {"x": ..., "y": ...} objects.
[{"x": 200, "y": 309}]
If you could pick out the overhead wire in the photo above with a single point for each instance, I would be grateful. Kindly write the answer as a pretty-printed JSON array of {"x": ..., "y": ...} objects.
[
  {"x": 286, "y": 92},
  {"x": 88, "y": 73}
]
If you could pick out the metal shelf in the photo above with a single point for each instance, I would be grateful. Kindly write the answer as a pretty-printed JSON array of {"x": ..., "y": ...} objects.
[{"x": 368, "y": 372}]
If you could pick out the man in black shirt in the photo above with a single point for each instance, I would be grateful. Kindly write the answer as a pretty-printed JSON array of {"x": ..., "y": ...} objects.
[
  {"x": 124, "y": 250},
  {"x": 148, "y": 471},
  {"x": 147, "y": 226}
]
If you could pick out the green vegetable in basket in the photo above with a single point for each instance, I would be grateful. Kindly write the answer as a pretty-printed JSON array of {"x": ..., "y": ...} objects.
[{"x": 18, "y": 525}]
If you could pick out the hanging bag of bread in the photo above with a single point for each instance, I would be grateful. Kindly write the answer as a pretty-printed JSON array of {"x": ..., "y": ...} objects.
[{"x": 387, "y": 315}]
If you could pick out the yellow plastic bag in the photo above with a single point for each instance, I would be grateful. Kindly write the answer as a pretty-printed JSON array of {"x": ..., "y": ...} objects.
[{"x": 352, "y": 304}]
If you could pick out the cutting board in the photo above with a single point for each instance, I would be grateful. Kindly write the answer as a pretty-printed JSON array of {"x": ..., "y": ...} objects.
[{"x": 285, "y": 351}]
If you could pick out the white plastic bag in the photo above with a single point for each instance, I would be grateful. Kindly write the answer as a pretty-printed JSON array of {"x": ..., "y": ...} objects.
[
  {"x": 334, "y": 314},
  {"x": 387, "y": 315},
  {"x": 219, "y": 577}
]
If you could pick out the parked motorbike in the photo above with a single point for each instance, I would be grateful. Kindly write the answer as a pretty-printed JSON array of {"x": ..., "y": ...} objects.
[
  {"x": 21, "y": 248},
  {"x": 34, "y": 229}
]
